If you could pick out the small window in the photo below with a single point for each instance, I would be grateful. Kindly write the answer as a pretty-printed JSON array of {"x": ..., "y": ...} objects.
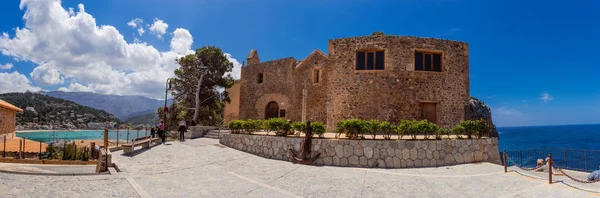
[
  {"x": 316, "y": 76},
  {"x": 282, "y": 113},
  {"x": 260, "y": 78},
  {"x": 428, "y": 61},
  {"x": 370, "y": 60}
]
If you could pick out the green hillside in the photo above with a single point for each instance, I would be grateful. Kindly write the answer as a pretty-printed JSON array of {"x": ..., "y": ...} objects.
[
  {"x": 144, "y": 119},
  {"x": 50, "y": 111}
]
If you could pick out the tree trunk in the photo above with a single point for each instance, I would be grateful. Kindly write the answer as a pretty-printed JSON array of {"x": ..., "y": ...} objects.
[{"x": 197, "y": 108}]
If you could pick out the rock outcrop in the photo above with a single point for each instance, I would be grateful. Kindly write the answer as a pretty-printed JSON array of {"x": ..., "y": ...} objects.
[{"x": 478, "y": 110}]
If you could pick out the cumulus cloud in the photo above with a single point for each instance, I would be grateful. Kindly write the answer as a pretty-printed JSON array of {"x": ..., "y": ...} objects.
[
  {"x": 159, "y": 27},
  {"x": 182, "y": 41},
  {"x": 236, "y": 72},
  {"x": 74, "y": 53},
  {"x": 546, "y": 97},
  {"x": 6, "y": 66},
  {"x": 134, "y": 22},
  {"x": 15, "y": 82},
  {"x": 141, "y": 31},
  {"x": 46, "y": 75}
]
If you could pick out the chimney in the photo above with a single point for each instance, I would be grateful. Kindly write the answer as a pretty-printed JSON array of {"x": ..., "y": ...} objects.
[{"x": 253, "y": 57}]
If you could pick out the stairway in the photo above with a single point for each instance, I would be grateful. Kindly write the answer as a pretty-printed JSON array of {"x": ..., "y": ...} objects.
[{"x": 214, "y": 134}]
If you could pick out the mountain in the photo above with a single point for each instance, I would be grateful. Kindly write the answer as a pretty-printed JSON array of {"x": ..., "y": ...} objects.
[
  {"x": 51, "y": 111},
  {"x": 123, "y": 107},
  {"x": 149, "y": 119}
]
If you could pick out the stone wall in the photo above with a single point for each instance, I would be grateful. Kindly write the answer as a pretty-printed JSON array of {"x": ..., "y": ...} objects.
[
  {"x": 372, "y": 153},
  {"x": 7, "y": 122},
  {"x": 392, "y": 94},
  {"x": 397, "y": 92},
  {"x": 197, "y": 131}
]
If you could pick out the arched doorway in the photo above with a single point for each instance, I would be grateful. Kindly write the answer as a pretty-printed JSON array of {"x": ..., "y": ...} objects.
[{"x": 272, "y": 110}]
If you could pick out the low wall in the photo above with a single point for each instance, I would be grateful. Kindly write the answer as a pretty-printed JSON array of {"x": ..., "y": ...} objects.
[
  {"x": 198, "y": 131},
  {"x": 372, "y": 153}
]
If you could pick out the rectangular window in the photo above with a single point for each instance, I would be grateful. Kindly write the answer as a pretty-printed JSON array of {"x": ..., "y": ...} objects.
[
  {"x": 316, "y": 76},
  {"x": 360, "y": 61},
  {"x": 379, "y": 56},
  {"x": 370, "y": 60},
  {"x": 260, "y": 78},
  {"x": 282, "y": 113},
  {"x": 428, "y": 61}
]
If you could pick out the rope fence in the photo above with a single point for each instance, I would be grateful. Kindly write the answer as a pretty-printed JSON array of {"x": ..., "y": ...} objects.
[{"x": 547, "y": 166}]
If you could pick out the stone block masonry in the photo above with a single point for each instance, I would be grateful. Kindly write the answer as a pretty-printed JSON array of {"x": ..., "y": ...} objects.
[{"x": 372, "y": 153}]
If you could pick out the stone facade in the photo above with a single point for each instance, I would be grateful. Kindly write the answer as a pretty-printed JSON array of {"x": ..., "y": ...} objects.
[
  {"x": 372, "y": 153},
  {"x": 198, "y": 131},
  {"x": 396, "y": 92},
  {"x": 8, "y": 116}
]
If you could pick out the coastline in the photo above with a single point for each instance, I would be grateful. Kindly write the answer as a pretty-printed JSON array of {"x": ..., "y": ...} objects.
[{"x": 61, "y": 130}]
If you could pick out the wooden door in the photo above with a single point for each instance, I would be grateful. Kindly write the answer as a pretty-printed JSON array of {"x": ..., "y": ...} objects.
[
  {"x": 429, "y": 112},
  {"x": 272, "y": 110}
]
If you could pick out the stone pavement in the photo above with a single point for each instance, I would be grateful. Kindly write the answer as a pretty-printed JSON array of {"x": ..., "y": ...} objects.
[{"x": 198, "y": 168}]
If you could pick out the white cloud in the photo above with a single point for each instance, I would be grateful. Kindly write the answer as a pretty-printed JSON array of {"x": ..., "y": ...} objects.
[
  {"x": 134, "y": 22},
  {"x": 6, "y": 66},
  {"x": 141, "y": 31},
  {"x": 236, "y": 72},
  {"x": 46, "y": 75},
  {"x": 546, "y": 97},
  {"x": 159, "y": 27},
  {"x": 506, "y": 111},
  {"x": 71, "y": 47},
  {"x": 15, "y": 82},
  {"x": 182, "y": 41}
]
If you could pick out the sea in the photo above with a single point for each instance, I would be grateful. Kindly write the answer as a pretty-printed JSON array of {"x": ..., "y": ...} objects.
[
  {"x": 536, "y": 137},
  {"x": 575, "y": 147}
]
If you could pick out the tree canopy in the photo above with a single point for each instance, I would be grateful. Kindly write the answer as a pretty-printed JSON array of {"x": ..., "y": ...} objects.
[{"x": 200, "y": 84}]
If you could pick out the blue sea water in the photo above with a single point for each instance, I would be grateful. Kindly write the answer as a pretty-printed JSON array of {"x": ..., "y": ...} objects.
[
  {"x": 575, "y": 147},
  {"x": 50, "y": 136},
  {"x": 535, "y": 137}
]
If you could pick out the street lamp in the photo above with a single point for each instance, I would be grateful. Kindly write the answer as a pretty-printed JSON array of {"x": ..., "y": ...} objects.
[{"x": 166, "y": 108}]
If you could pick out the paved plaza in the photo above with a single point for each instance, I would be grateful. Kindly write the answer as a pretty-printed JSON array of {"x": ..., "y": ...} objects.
[{"x": 203, "y": 168}]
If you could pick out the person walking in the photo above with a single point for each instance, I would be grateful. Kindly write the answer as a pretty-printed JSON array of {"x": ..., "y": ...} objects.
[
  {"x": 152, "y": 132},
  {"x": 182, "y": 129},
  {"x": 161, "y": 131}
]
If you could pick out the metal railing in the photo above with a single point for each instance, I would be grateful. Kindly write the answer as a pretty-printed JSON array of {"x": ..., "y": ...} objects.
[{"x": 570, "y": 159}]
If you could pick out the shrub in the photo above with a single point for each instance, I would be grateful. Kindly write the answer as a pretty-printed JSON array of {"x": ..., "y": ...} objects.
[
  {"x": 318, "y": 128},
  {"x": 481, "y": 127},
  {"x": 251, "y": 125},
  {"x": 280, "y": 126},
  {"x": 387, "y": 129},
  {"x": 442, "y": 131},
  {"x": 459, "y": 130},
  {"x": 354, "y": 128},
  {"x": 404, "y": 128},
  {"x": 236, "y": 126},
  {"x": 299, "y": 127},
  {"x": 341, "y": 127},
  {"x": 370, "y": 127}
]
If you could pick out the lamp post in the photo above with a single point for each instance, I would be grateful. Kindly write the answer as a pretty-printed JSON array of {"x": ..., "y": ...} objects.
[{"x": 165, "y": 109}]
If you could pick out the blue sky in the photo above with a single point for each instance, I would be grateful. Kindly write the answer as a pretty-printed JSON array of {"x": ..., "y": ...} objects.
[{"x": 533, "y": 62}]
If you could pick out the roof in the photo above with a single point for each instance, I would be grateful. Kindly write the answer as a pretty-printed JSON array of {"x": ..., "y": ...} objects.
[
  {"x": 316, "y": 51},
  {"x": 252, "y": 54},
  {"x": 7, "y": 105}
]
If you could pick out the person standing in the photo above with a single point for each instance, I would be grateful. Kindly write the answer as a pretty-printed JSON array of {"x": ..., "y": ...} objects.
[
  {"x": 161, "y": 131},
  {"x": 152, "y": 132},
  {"x": 182, "y": 129}
]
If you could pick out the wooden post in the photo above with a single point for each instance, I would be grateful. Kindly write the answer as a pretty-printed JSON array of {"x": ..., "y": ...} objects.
[
  {"x": 20, "y": 147},
  {"x": 127, "y": 134},
  {"x": 92, "y": 150},
  {"x": 64, "y": 150},
  {"x": 137, "y": 135},
  {"x": 118, "y": 136},
  {"x": 40, "y": 154},
  {"x": 549, "y": 164},
  {"x": 75, "y": 152},
  {"x": 24, "y": 140},
  {"x": 504, "y": 160},
  {"x": 106, "y": 147},
  {"x": 4, "y": 152}
]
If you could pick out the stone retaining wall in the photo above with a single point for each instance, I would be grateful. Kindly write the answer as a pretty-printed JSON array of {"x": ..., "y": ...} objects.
[
  {"x": 372, "y": 153},
  {"x": 197, "y": 131}
]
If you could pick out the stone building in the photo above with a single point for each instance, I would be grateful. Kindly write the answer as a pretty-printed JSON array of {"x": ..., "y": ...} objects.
[
  {"x": 372, "y": 77},
  {"x": 8, "y": 119}
]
